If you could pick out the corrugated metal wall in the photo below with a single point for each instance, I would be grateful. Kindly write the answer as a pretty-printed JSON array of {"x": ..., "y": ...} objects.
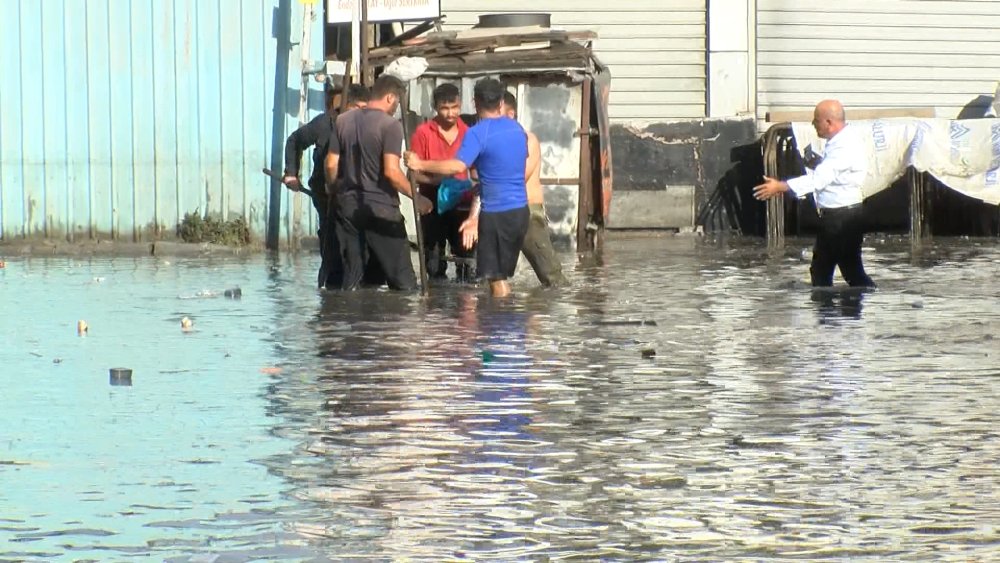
[
  {"x": 119, "y": 116},
  {"x": 877, "y": 53},
  {"x": 655, "y": 48}
]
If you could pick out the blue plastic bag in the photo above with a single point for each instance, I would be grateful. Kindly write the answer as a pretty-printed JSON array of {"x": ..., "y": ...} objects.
[{"x": 450, "y": 193}]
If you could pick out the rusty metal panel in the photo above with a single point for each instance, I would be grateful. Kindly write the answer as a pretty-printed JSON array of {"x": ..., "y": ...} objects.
[
  {"x": 133, "y": 113},
  {"x": 552, "y": 111}
]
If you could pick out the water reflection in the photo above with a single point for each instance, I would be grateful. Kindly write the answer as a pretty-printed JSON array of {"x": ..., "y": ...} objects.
[
  {"x": 840, "y": 303},
  {"x": 772, "y": 421}
]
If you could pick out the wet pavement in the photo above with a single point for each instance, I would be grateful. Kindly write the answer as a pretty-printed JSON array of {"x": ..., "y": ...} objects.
[{"x": 684, "y": 400}]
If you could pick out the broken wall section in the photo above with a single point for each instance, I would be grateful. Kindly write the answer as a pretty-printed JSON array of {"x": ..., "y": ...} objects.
[{"x": 685, "y": 174}]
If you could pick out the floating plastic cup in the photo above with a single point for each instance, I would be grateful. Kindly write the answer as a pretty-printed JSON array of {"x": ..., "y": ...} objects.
[{"x": 121, "y": 377}]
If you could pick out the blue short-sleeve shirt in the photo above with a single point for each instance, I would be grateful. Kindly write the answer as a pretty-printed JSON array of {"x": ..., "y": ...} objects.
[{"x": 497, "y": 148}]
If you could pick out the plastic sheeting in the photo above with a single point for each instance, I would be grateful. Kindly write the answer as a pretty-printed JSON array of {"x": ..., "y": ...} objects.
[{"x": 962, "y": 154}]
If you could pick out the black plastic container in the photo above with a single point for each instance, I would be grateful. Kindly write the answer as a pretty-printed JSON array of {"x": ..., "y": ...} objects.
[
  {"x": 515, "y": 20},
  {"x": 121, "y": 377}
]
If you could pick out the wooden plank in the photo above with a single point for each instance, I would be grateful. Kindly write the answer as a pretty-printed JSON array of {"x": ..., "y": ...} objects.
[{"x": 852, "y": 114}]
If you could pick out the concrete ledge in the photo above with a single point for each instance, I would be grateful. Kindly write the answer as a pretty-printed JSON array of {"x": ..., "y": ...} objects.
[
  {"x": 670, "y": 208},
  {"x": 116, "y": 248}
]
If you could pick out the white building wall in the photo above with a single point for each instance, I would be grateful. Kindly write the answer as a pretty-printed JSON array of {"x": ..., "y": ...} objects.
[
  {"x": 656, "y": 49},
  {"x": 877, "y": 53}
]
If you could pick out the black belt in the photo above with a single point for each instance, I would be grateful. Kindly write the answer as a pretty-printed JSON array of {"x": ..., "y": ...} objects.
[{"x": 834, "y": 210}]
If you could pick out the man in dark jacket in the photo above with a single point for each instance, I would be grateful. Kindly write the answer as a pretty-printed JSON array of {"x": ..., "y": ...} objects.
[{"x": 317, "y": 133}]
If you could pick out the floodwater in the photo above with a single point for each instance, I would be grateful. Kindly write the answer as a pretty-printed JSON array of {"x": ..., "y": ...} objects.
[{"x": 292, "y": 424}]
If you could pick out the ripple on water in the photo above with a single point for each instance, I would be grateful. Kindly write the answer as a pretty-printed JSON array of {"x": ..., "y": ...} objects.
[{"x": 772, "y": 422}]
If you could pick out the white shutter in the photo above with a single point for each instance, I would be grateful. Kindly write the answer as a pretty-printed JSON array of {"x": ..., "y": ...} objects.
[
  {"x": 877, "y": 53},
  {"x": 655, "y": 48}
]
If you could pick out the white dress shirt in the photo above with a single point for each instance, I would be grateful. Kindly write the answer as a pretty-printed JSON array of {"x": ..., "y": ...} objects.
[{"x": 836, "y": 181}]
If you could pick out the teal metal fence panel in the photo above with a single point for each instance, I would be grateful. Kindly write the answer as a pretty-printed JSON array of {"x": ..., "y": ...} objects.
[{"x": 118, "y": 117}]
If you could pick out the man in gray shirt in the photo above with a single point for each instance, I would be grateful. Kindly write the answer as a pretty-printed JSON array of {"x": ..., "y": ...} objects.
[{"x": 364, "y": 156}]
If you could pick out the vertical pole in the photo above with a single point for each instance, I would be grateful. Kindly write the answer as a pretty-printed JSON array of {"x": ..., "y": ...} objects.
[
  {"x": 282, "y": 36},
  {"x": 414, "y": 191},
  {"x": 775, "y": 206},
  {"x": 585, "y": 204},
  {"x": 918, "y": 207},
  {"x": 295, "y": 229},
  {"x": 356, "y": 40},
  {"x": 364, "y": 44}
]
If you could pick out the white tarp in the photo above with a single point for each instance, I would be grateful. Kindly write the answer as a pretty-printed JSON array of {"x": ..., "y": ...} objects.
[{"x": 962, "y": 154}]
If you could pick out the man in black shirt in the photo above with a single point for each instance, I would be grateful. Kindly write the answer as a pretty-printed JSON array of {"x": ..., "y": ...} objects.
[
  {"x": 317, "y": 133},
  {"x": 364, "y": 154}
]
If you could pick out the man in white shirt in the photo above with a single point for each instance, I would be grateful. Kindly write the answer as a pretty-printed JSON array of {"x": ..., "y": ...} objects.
[{"x": 835, "y": 183}]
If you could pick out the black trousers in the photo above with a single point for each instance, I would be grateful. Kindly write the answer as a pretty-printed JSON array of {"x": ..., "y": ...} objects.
[
  {"x": 838, "y": 244},
  {"x": 374, "y": 235},
  {"x": 440, "y": 231},
  {"x": 331, "y": 268}
]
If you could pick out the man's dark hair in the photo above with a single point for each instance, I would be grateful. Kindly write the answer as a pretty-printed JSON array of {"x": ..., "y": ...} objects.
[
  {"x": 445, "y": 94},
  {"x": 388, "y": 84},
  {"x": 510, "y": 100},
  {"x": 488, "y": 93},
  {"x": 358, "y": 93}
]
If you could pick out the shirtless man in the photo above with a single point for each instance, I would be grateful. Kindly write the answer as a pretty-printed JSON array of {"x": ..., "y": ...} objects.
[{"x": 537, "y": 247}]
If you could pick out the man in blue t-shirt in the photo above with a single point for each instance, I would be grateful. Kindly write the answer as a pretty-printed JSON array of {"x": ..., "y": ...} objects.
[{"x": 497, "y": 147}]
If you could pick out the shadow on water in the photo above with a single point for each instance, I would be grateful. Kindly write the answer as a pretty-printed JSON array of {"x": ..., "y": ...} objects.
[
  {"x": 839, "y": 303},
  {"x": 684, "y": 399}
]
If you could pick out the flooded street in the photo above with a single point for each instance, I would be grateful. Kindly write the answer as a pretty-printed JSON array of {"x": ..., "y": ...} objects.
[{"x": 293, "y": 424}]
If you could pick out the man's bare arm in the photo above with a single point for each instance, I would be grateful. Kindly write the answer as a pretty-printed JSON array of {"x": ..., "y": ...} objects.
[
  {"x": 399, "y": 181},
  {"x": 393, "y": 173},
  {"x": 451, "y": 167},
  {"x": 533, "y": 164},
  {"x": 426, "y": 178}
]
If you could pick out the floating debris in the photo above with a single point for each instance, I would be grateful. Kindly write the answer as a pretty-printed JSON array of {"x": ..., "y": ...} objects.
[
  {"x": 186, "y": 324},
  {"x": 121, "y": 377},
  {"x": 234, "y": 293},
  {"x": 82, "y": 327},
  {"x": 648, "y": 353}
]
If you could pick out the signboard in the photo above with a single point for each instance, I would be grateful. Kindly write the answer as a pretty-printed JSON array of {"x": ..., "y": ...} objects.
[{"x": 341, "y": 11}]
